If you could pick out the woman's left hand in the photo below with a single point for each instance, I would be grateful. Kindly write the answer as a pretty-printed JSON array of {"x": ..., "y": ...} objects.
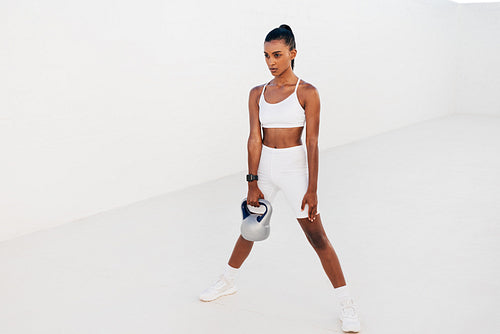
[{"x": 311, "y": 199}]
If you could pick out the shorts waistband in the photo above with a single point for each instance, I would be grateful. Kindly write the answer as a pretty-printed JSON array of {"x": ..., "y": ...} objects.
[{"x": 285, "y": 149}]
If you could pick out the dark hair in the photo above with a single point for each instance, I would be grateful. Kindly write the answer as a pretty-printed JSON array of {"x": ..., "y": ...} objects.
[{"x": 284, "y": 32}]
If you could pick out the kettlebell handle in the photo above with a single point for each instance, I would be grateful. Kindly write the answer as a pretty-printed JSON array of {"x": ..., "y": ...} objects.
[{"x": 246, "y": 212}]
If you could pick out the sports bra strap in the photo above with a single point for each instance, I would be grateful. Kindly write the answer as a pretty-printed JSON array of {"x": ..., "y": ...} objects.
[
  {"x": 297, "y": 86},
  {"x": 263, "y": 89},
  {"x": 262, "y": 93}
]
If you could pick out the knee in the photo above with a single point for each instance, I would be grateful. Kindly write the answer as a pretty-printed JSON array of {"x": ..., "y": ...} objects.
[{"x": 318, "y": 240}]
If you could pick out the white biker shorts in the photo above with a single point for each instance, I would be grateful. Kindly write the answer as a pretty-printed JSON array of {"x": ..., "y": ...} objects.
[{"x": 285, "y": 169}]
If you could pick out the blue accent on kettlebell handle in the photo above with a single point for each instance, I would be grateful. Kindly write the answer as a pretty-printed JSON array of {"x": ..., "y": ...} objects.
[
  {"x": 246, "y": 212},
  {"x": 244, "y": 209},
  {"x": 259, "y": 218}
]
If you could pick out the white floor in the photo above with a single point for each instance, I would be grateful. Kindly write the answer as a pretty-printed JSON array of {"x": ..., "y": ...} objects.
[{"x": 413, "y": 214}]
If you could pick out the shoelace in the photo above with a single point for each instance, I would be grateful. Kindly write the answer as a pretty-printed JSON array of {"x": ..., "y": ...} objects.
[
  {"x": 349, "y": 309},
  {"x": 221, "y": 282}
]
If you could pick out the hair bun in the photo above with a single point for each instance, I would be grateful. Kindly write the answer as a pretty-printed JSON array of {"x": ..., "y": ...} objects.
[{"x": 287, "y": 27}]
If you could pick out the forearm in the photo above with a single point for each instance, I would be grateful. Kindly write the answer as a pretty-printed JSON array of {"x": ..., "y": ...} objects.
[
  {"x": 313, "y": 162},
  {"x": 254, "y": 148}
]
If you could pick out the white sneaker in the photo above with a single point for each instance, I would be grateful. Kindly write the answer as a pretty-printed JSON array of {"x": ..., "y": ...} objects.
[
  {"x": 349, "y": 316},
  {"x": 222, "y": 287}
]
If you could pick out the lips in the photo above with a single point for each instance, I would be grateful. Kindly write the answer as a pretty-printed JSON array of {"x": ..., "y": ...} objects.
[{"x": 273, "y": 69}]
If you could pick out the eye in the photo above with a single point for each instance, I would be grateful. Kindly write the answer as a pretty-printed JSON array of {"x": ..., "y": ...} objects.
[{"x": 277, "y": 55}]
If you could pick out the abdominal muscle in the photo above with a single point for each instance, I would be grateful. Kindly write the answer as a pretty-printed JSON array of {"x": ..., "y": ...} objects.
[{"x": 282, "y": 137}]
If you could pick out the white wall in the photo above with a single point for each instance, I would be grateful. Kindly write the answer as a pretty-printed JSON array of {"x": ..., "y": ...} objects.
[
  {"x": 478, "y": 72},
  {"x": 108, "y": 103}
]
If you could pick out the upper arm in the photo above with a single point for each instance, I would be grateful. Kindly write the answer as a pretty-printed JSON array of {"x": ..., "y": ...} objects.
[
  {"x": 312, "y": 108},
  {"x": 253, "y": 108}
]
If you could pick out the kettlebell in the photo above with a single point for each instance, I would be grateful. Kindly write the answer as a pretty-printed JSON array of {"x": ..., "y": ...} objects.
[{"x": 255, "y": 226}]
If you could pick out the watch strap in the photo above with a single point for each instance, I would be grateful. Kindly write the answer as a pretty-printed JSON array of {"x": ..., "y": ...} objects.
[{"x": 252, "y": 177}]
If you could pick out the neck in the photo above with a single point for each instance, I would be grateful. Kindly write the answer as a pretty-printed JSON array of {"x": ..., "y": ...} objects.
[{"x": 285, "y": 78}]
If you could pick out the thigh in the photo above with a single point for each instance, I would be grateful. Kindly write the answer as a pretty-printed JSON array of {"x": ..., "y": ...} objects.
[
  {"x": 315, "y": 232},
  {"x": 267, "y": 186},
  {"x": 294, "y": 186},
  {"x": 265, "y": 182}
]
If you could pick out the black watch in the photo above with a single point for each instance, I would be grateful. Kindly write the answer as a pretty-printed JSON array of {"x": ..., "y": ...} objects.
[{"x": 252, "y": 177}]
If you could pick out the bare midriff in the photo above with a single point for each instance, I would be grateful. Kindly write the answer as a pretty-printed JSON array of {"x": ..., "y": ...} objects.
[{"x": 282, "y": 137}]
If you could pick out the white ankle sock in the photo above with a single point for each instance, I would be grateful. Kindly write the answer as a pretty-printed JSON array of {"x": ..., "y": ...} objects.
[
  {"x": 231, "y": 273},
  {"x": 342, "y": 293}
]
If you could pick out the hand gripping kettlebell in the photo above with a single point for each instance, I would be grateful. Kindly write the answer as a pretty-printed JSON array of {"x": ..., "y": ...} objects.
[{"x": 255, "y": 226}]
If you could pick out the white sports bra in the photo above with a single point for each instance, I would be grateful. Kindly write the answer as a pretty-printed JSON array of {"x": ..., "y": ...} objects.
[{"x": 287, "y": 113}]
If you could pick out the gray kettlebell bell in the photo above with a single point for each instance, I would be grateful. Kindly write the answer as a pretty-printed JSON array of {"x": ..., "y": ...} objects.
[{"x": 255, "y": 226}]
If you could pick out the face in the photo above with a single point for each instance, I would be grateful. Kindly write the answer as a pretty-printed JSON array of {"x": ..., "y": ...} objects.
[{"x": 278, "y": 56}]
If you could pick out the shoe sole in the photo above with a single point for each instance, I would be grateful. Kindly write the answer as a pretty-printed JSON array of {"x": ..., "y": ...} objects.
[
  {"x": 227, "y": 293},
  {"x": 356, "y": 330},
  {"x": 351, "y": 331}
]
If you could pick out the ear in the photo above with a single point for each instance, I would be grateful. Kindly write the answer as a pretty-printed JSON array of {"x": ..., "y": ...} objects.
[{"x": 293, "y": 54}]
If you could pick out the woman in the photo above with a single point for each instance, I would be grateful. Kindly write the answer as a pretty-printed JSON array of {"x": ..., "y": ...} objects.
[{"x": 280, "y": 161}]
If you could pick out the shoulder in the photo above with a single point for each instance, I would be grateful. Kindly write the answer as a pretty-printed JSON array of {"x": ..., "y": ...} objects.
[
  {"x": 255, "y": 92},
  {"x": 307, "y": 94},
  {"x": 307, "y": 88}
]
